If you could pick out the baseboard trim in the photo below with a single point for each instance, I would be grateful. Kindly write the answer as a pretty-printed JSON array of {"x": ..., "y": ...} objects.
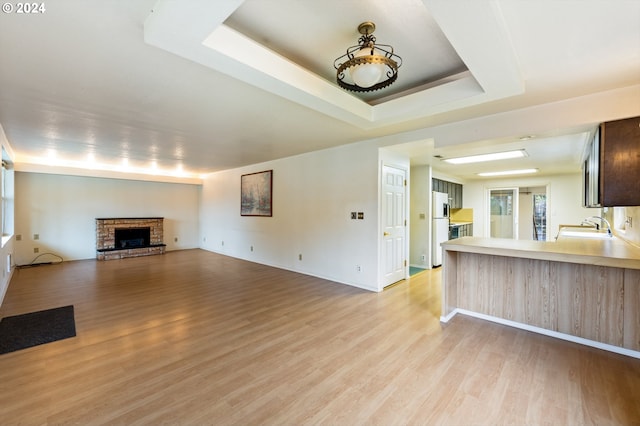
[{"x": 544, "y": 331}]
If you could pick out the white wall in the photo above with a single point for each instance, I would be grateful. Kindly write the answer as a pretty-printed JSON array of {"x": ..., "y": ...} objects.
[
  {"x": 420, "y": 227},
  {"x": 62, "y": 210},
  {"x": 313, "y": 196},
  {"x": 625, "y": 223},
  {"x": 564, "y": 202}
]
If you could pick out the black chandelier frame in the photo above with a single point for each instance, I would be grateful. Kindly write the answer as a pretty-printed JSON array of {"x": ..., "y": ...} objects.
[{"x": 380, "y": 54}]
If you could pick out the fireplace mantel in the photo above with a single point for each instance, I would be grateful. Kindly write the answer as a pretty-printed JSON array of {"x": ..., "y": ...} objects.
[
  {"x": 105, "y": 237},
  {"x": 129, "y": 218}
]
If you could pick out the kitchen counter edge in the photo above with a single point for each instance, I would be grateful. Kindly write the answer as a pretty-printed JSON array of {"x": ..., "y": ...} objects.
[{"x": 611, "y": 253}]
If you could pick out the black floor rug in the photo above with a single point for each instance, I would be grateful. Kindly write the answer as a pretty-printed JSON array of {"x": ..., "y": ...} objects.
[{"x": 35, "y": 328}]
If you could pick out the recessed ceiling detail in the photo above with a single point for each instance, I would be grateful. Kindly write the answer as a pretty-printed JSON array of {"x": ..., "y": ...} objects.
[{"x": 486, "y": 53}]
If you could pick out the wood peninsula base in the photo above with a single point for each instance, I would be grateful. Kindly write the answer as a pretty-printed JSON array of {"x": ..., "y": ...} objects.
[{"x": 573, "y": 298}]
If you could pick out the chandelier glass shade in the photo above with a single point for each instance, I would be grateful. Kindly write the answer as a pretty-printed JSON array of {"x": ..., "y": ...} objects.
[{"x": 367, "y": 66}]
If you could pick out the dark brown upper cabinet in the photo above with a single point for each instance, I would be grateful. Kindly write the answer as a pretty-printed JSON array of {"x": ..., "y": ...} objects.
[{"x": 611, "y": 169}]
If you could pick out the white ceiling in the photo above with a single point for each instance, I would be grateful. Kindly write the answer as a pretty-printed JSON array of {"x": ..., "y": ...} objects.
[{"x": 203, "y": 86}]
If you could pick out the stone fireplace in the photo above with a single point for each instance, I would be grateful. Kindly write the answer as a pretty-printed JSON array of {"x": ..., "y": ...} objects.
[{"x": 117, "y": 238}]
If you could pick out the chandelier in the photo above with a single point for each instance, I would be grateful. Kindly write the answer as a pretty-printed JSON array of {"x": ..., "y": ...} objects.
[{"x": 368, "y": 65}]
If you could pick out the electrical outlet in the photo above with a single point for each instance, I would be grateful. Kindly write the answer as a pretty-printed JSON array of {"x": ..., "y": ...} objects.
[
  {"x": 175, "y": 240},
  {"x": 354, "y": 215},
  {"x": 251, "y": 248},
  {"x": 36, "y": 236},
  {"x": 36, "y": 250},
  {"x": 358, "y": 268},
  {"x": 423, "y": 258},
  {"x": 300, "y": 256},
  {"x": 19, "y": 237}
]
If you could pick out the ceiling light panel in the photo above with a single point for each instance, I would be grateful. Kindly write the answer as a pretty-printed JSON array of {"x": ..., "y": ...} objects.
[
  {"x": 509, "y": 172},
  {"x": 520, "y": 153}
]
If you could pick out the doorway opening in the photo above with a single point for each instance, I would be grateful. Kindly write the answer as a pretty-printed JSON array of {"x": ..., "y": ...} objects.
[
  {"x": 533, "y": 213},
  {"x": 540, "y": 217},
  {"x": 503, "y": 213}
]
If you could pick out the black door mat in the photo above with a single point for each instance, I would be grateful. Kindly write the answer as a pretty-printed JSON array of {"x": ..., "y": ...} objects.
[{"x": 36, "y": 328}]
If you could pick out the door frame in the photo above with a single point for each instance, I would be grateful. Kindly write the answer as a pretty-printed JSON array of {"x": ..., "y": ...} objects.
[
  {"x": 515, "y": 213},
  {"x": 521, "y": 213},
  {"x": 405, "y": 170}
]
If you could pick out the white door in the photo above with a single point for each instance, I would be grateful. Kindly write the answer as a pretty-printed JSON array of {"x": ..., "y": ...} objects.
[
  {"x": 503, "y": 213},
  {"x": 394, "y": 226}
]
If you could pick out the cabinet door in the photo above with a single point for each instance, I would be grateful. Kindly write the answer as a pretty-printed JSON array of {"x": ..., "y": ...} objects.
[
  {"x": 458, "y": 196},
  {"x": 437, "y": 185},
  {"x": 590, "y": 173},
  {"x": 453, "y": 190},
  {"x": 620, "y": 162},
  {"x": 452, "y": 195}
]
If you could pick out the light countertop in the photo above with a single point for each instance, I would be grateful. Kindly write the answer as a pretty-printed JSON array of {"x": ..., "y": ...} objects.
[{"x": 613, "y": 252}]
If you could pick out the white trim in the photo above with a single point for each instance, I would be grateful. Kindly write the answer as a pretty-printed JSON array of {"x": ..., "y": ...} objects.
[
  {"x": 448, "y": 317},
  {"x": 297, "y": 271},
  {"x": 544, "y": 331}
]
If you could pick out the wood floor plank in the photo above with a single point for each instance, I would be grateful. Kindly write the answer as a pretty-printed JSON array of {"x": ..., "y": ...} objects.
[{"x": 193, "y": 337}]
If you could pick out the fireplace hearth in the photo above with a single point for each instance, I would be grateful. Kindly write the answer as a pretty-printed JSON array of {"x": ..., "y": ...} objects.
[{"x": 117, "y": 238}]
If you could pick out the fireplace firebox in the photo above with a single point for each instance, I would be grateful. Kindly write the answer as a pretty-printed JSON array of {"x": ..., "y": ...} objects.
[{"x": 132, "y": 237}]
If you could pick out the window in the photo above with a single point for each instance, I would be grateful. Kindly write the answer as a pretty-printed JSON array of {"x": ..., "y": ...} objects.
[
  {"x": 7, "y": 191},
  {"x": 540, "y": 217}
]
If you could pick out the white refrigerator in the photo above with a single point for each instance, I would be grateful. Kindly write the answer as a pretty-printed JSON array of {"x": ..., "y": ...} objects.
[{"x": 440, "y": 226}]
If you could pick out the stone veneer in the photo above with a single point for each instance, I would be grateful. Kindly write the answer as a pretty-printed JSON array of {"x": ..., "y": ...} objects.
[{"x": 105, "y": 237}]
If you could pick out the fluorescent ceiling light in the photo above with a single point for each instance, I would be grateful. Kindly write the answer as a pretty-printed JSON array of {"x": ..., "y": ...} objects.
[
  {"x": 509, "y": 172},
  {"x": 488, "y": 157}
]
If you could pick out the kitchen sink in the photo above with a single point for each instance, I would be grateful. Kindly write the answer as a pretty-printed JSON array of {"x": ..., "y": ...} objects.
[{"x": 586, "y": 234}]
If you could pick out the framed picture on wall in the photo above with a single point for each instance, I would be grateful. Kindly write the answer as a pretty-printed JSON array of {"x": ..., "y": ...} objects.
[{"x": 256, "y": 194}]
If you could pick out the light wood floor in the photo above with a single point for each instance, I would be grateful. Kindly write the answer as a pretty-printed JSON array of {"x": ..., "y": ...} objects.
[{"x": 193, "y": 337}]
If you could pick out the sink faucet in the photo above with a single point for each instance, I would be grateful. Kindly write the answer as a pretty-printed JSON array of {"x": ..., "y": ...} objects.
[{"x": 592, "y": 219}]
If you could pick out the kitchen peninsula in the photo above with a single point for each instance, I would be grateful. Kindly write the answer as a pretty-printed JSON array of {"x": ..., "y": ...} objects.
[{"x": 585, "y": 290}]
